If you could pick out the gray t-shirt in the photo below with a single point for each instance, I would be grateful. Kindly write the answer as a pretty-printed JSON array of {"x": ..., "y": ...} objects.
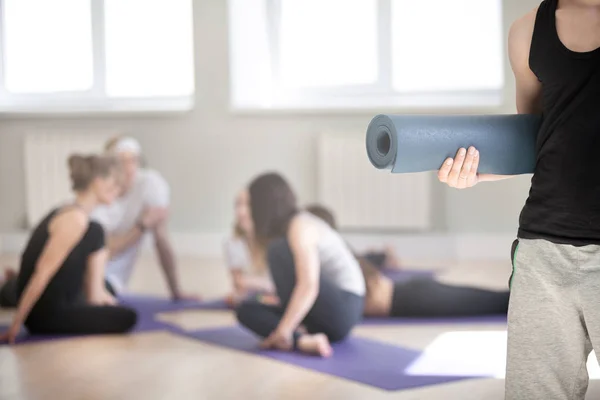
[{"x": 338, "y": 264}]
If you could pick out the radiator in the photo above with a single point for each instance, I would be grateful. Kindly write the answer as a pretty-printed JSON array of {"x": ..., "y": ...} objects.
[
  {"x": 364, "y": 198},
  {"x": 46, "y": 170}
]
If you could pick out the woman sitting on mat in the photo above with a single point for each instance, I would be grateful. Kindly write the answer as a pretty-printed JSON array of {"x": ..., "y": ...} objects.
[
  {"x": 244, "y": 257},
  {"x": 318, "y": 281},
  {"x": 61, "y": 280},
  {"x": 421, "y": 297}
]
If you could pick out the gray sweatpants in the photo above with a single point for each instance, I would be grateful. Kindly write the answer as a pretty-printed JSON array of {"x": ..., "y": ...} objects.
[{"x": 553, "y": 320}]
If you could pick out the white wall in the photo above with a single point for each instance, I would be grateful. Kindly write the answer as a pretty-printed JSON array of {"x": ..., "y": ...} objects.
[{"x": 210, "y": 143}]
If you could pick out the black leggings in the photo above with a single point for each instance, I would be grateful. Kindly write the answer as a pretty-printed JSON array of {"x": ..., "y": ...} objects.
[
  {"x": 81, "y": 320},
  {"x": 8, "y": 294},
  {"x": 334, "y": 313},
  {"x": 76, "y": 319},
  {"x": 429, "y": 298}
]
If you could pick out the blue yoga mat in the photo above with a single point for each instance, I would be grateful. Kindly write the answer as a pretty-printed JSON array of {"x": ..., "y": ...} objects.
[
  {"x": 411, "y": 143},
  {"x": 360, "y": 360}
]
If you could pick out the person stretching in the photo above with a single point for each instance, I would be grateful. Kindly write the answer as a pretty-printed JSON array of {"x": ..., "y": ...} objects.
[
  {"x": 317, "y": 279},
  {"x": 141, "y": 208},
  {"x": 60, "y": 285}
]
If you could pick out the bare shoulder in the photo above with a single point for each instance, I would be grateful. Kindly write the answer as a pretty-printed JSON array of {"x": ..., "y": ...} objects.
[
  {"x": 302, "y": 228},
  {"x": 521, "y": 30},
  {"x": 519, "y": 45},
  {"x": 73, "y": 220}
]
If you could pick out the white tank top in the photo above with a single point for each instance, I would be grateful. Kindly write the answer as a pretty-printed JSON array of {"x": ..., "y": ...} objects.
[{"x": 338, "y": 264}]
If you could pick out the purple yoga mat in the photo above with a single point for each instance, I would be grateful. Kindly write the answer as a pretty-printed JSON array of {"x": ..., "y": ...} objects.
[
  {"x": 145, "y": 304},
  {"x": 478, "y": 319},
  {"x": 357, "y": 359}
]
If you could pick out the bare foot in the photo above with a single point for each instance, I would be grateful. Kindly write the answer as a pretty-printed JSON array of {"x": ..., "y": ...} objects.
[{"x": 316, "y": 344}]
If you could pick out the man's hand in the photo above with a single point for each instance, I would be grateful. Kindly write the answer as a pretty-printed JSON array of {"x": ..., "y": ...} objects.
[{"x": 461, "y": 172}]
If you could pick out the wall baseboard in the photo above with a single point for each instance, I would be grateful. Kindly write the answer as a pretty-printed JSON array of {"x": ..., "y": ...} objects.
[{"x": 457, "y": 247}]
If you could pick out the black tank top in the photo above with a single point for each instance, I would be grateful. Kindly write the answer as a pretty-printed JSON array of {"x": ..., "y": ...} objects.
[
  {"x": 66, "y": 285},
  {"x": 564, "y": 200}
]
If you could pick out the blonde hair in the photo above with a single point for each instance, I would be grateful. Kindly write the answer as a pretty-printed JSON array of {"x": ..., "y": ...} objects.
[
  {"x": 111, "y": 143},
  {"x": 85, "y": 168}
]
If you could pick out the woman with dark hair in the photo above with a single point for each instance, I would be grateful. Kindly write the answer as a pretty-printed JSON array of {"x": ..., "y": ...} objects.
[
  {"x": 318, "y": 281},
  {"x": 420, "y": 297},
  {"x": 60, "y": 285}
]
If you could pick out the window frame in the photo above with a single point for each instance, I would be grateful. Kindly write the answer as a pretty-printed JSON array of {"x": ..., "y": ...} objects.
[
  {"x": 379, "y": 95},
  {"x": 92, "y": 101}
]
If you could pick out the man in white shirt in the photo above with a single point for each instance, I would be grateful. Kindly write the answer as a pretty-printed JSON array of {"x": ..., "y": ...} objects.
[{"x": 141, "y": 209}]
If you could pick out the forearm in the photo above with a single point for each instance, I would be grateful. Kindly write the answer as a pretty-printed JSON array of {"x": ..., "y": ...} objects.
[
  {"x": 494, "y": 178},
  {"x": 258, "y": 283},
  {"x": 237, "y": 276},
  {"x": 303, "y": 298},
  {"x": 167, "y": 261},
  {"x": 118, "y": 243},
  {"x": 31, "y": 295}
]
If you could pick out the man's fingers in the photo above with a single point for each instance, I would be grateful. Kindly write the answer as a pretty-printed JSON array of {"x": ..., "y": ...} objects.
[
  {"x": 457, "y": 167},
  {"x": 474, "y": 167},
  {"x": 466, "y": 168},
  {"x": 445, "y": 170}
]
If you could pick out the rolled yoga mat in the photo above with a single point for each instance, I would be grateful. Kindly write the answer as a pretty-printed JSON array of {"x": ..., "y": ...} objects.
[{"x": 411, "y": 143}]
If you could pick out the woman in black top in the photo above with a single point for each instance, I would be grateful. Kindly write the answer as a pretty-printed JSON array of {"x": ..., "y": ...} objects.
[{"x": 61, "y": 279}]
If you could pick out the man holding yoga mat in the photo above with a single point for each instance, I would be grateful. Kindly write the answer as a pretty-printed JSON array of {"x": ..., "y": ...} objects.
[{"x": 554, "y": 313}]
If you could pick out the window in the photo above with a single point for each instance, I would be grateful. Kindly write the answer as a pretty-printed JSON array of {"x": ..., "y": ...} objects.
[
  {"x": 96, "y": 55},
  {"x": 321, "y": 49},
  {"x": 365, "y": 54},
  {"x": 42, "y": 56}
]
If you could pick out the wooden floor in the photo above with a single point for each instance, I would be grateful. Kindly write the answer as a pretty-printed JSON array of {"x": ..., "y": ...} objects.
[{"x": 160, "y": 365}]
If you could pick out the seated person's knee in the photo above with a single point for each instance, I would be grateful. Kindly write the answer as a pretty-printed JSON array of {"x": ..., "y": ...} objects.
[
  {"x": 129, "y": 318},
  {"x": 246, "y": 311}
]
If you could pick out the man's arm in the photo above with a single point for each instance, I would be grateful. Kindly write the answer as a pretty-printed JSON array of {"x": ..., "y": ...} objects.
[
  {"x": 529, "y": 88},
  {"x": 166, "y": 257},
  {"x": 116, "y": 244},
  {"x": 461, "y": 172},
  {"x": 150, "y": 219}
]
